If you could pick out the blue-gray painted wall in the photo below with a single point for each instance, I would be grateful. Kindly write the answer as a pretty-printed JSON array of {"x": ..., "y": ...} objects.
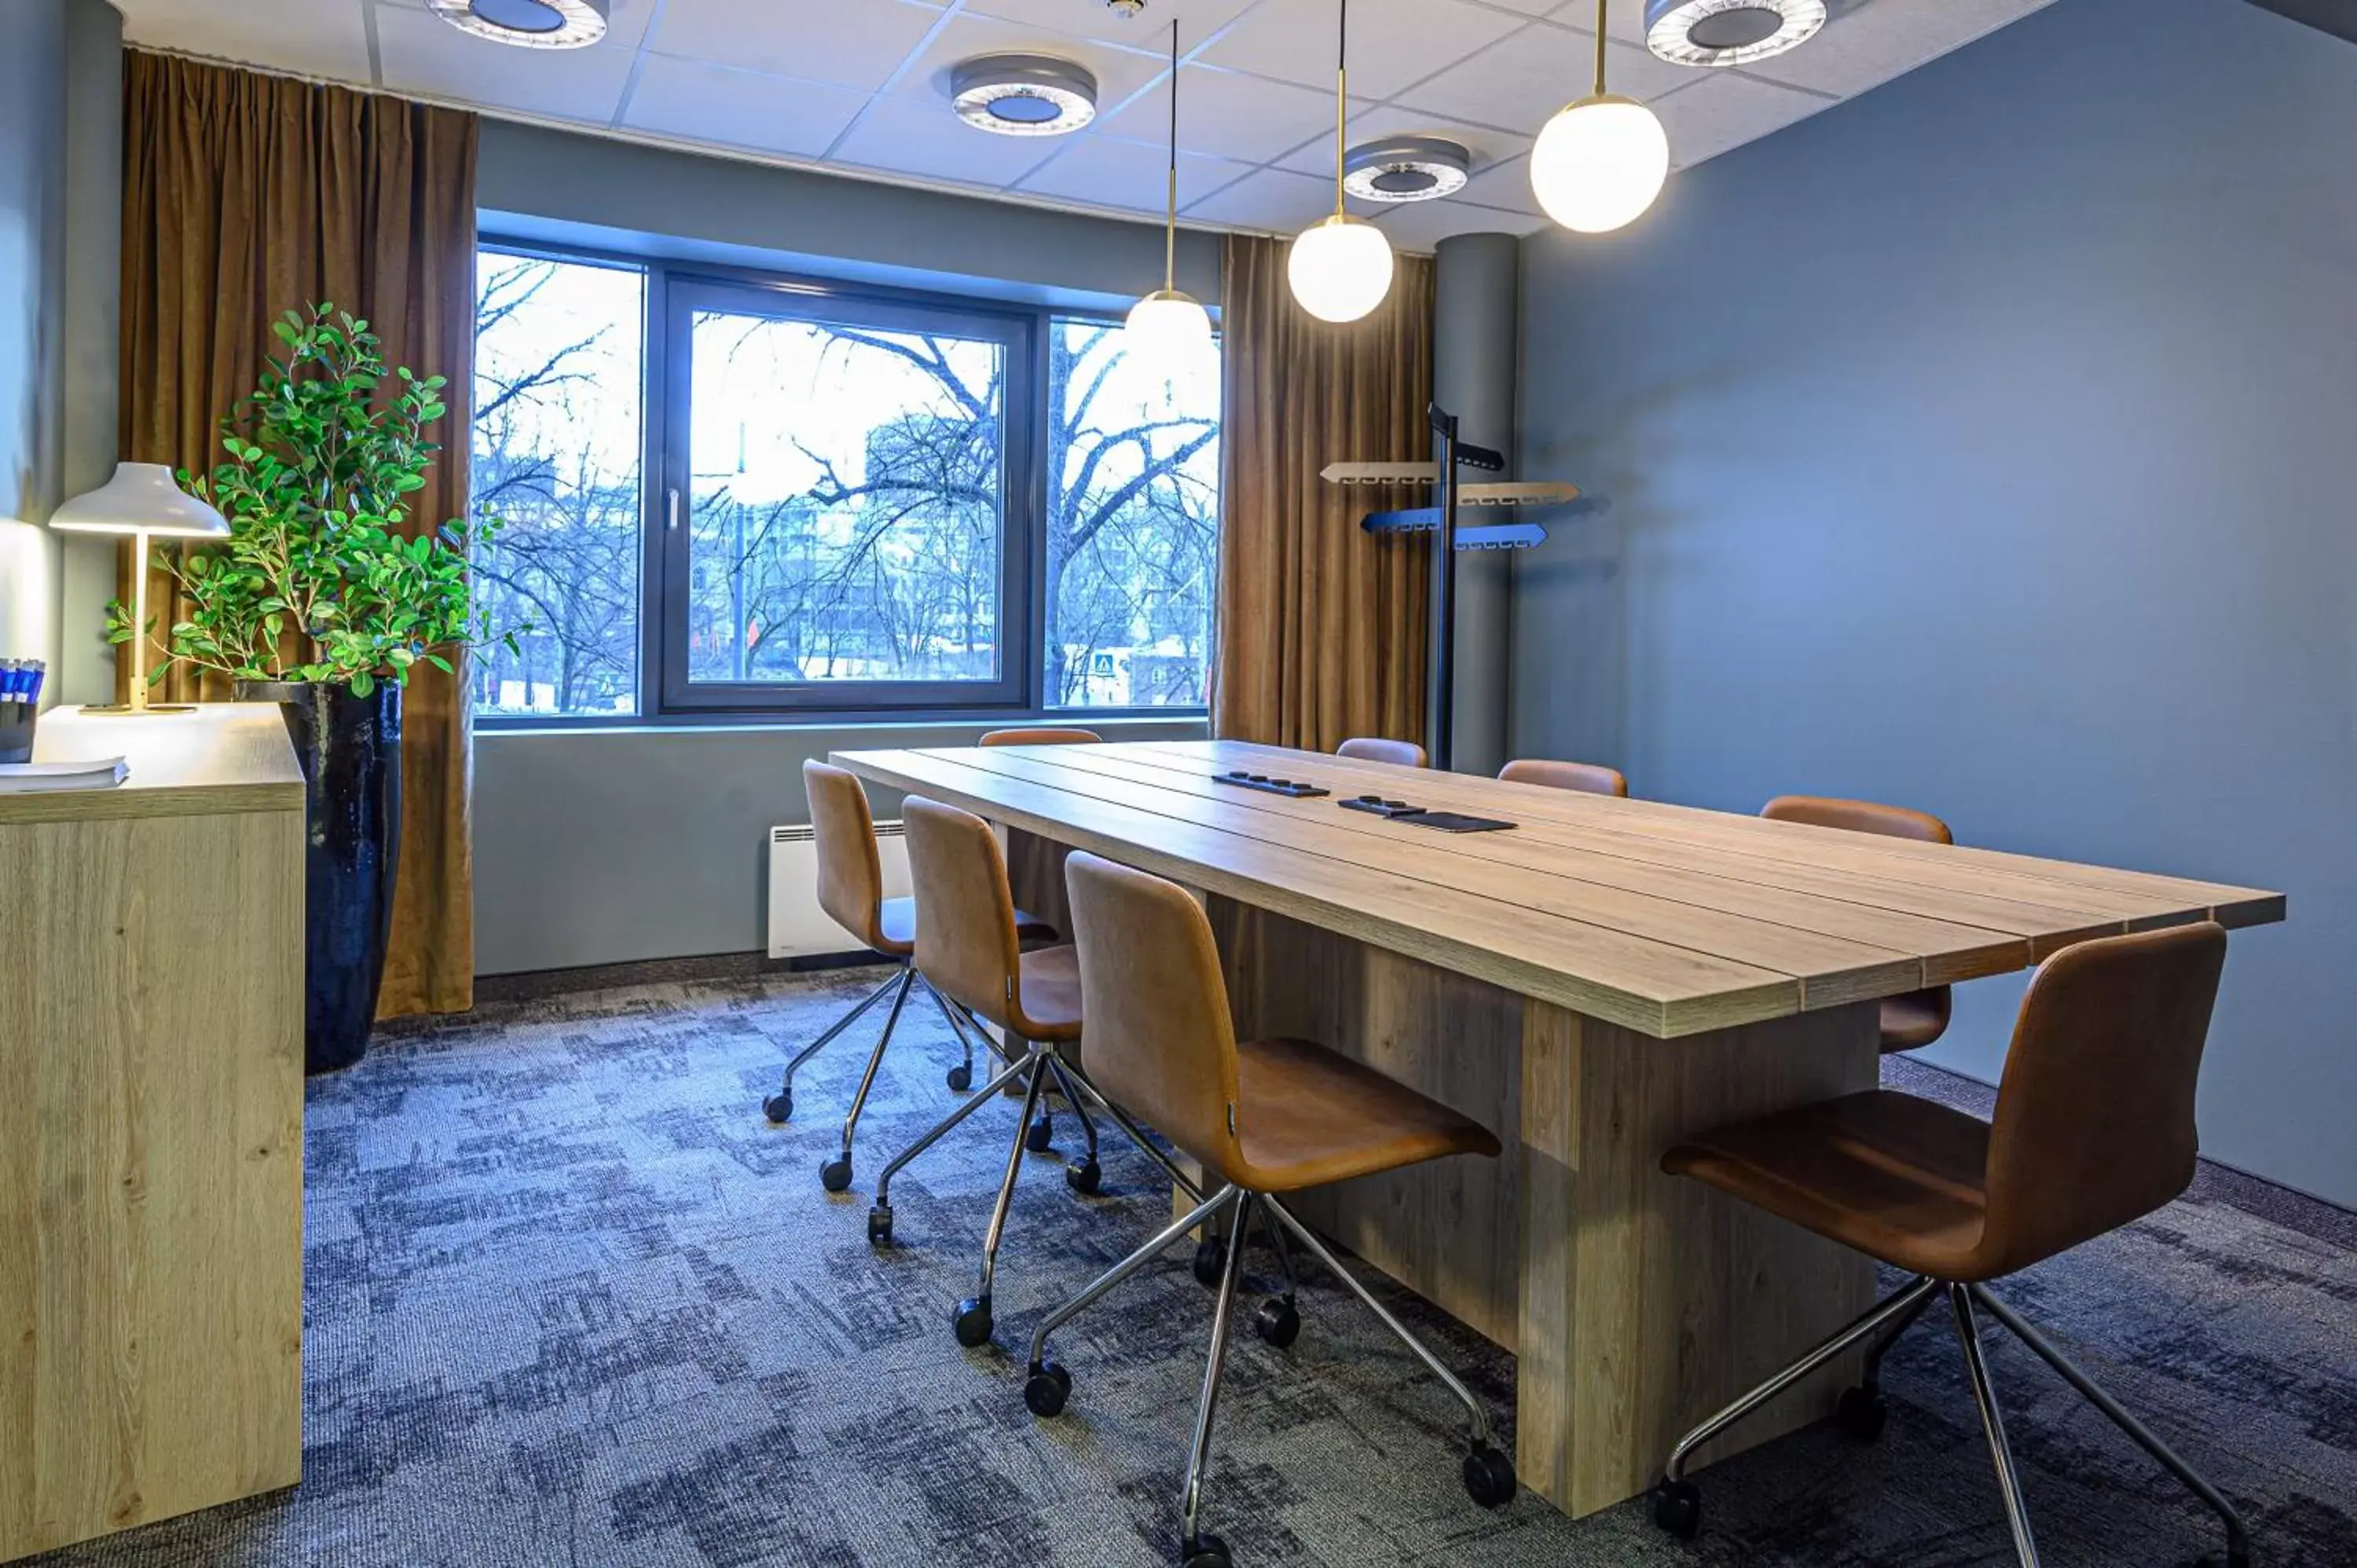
[{"x": 1989, "y": 444}]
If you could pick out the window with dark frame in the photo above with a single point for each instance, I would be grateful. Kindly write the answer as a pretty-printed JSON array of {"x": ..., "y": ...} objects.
[{"x": 751, "y": 496}]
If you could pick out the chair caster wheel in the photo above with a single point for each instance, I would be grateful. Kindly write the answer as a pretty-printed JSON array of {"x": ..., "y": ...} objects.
[
  {"x": 1039, "y": 1137},
  {"x": 880, "y": 1227},
  {"x": 1279, "y": 1323},
  {"x": 1210, "y": 1261},
  {"x": 1678, "y": 1508},
  {"x": 1085, "y": 1178},
  {"x": 1207, "y": 1550},
  {"x": 1489, "y": 1477},
  {"x": 1861, "y": 1413},
  {"x": 835, "y": 1175},
  {"x": 960, "y": 1079},
  {"x": 1047, "y": 1389},
  {"x": 972, "y": 1322},
  {"x": 779, "y": 1108}
]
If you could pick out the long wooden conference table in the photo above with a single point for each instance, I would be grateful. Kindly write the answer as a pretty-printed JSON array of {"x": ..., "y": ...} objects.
[{"x": 1602, "y": 979}]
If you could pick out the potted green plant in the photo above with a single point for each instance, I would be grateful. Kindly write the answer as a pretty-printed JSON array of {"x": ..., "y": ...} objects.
[{"x": 320, "y": 602}]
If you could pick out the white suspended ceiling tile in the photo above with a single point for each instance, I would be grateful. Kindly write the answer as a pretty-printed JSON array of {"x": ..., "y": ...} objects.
[
  {"x": 1420, "y": 226},
  {"x": 1506, "y": 186},
  {"x": 1106, "y": 171},
  {"x": 1725, "y": 111},
  {"x": 851, "y": 45},
  {"x": 1150, "y": 29},
  {"x": 1121, "y": 73},
  {"x": 1228, "y": 116},
  {"x": 1869, "y": 45},
  {"x": 1274, "y": 201},
  {"x": 906, "y": 136},
  {"x": 1487, "y": 145},
  {"x": 1393, "y": 42},
  {"x": 304, "y": 37},
  {"x": 422, "y": 54},
  {"x": 1519, "y": 82},
  {"x": 740, "y": 108}
]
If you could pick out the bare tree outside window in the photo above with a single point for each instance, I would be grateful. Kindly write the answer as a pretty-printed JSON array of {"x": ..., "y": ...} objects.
[
  {"x": 851, "y": 478},
  {"x": 1133, "y": 521},
  {"x": 558, "y": 371}
]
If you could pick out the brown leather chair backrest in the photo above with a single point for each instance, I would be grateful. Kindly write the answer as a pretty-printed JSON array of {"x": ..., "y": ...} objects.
[
  {"x": 2094, "y": 1112},
  {"x": 967, "y": 941},
  {"x": 1586, "y": 777},
  {"x": 1375, "y": 749},
  {"x": 1161, "y": 1042},
  {"x": 850, "y": 871},
  {"x": 1858, "y": 817},
  {"x": 1041, "y": 737}
]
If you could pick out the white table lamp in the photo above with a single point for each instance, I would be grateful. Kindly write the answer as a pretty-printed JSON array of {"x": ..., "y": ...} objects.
[{"x": 143, "y": 502}]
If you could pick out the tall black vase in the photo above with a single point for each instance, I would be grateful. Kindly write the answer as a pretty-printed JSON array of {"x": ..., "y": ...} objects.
[{"x": 350, "y": 751}]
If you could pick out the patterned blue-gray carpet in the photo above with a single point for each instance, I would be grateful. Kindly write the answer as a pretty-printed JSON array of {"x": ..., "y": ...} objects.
[{"x": 571, "y": 1301}]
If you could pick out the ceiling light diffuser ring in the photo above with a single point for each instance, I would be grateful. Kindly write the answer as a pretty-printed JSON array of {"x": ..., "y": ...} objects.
[
  {"x": 1671, "y": 27},
  {"x": 574, "y": 24},
  {"x": 1024, "y": 95},
  {"x": 1406, "y": 168}
]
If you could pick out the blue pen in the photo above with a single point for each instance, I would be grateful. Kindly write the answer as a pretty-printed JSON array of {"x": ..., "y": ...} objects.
[
  {"x": 40, "y": 676},
  {"x": 11, "y": 677}
]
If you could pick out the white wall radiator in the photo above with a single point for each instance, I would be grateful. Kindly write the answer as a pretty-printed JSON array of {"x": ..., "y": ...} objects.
[{"x": 798, "y": 927}]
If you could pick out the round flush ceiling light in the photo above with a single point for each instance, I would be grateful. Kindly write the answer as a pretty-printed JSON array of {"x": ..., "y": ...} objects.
[
  {"x": 1405, "y": 168},
  {"x": 528, "y": 24},
  {"x": 1729, "y": 32},
  {"x": 1024, "y": 95}
]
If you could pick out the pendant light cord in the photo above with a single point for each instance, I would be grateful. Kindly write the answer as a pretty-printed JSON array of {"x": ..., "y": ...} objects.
[
  {"x": 1171, "y": 232},
  {"x": 1600, "y": 25},
  {"x": 1341, "y": 102}
]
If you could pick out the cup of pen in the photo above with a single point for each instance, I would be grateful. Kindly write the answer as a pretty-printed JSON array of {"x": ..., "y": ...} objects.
[{"x": 20, "y": 696}]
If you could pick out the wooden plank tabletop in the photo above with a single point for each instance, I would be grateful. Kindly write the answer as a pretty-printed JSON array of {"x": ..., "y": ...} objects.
[{"x": 1663, "y": 919}]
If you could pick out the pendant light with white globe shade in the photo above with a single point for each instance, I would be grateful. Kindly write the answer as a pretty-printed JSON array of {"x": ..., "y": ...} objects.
[
  {"x": 1599, "y": 164},
  {"x": 1341, "y": 268},
  {"x": 1167, "y": 324}
]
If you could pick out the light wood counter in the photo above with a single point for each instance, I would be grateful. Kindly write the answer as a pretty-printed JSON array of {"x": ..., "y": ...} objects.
[
  {"x": 151, "y": 1127},
  {"x": 1605, "y": 979}
]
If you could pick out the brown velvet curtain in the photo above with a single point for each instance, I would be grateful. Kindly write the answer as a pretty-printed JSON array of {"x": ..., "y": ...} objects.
[
  {"x": 244, "y": 196},
  {"x": 1321, "y": 625}
]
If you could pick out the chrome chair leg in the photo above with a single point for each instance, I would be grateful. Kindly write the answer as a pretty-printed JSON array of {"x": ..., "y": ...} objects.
[
  {"x": 2238, "y": 1535},
  {"x": 961, "y": 1077},
  {"x": 1489, "y": 1473},
  {"x": 1136, "y": 1135},
  {"x": 835, "y": 1174},
  {"x": 972, "y": 1318},
  {"x": 779, "y": 1107},
  {"x": 1202, "y": 1550},
  {"x": 1907, "y": 1300},
  {"x": 879, "y": 1216},
  {"x": 1049, "y": 1385},
  {"x": 1677, "y": 1502},
  {"x": 1088, "y": 1176},
  {"x": 2009, "y": 1480}
]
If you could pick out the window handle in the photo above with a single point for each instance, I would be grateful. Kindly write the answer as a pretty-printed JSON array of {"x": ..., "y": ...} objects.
[{"x": 670, "y": 508}]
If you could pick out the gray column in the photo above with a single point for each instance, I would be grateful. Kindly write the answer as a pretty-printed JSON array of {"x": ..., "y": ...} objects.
[
  {"x": 1476, "y": 327},
  {"x": 94, "y": 312}
]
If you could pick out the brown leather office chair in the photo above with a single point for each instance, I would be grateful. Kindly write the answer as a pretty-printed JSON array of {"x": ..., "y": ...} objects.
[
  {"x": 851, "y": 891},
  {"x": 1265, "y": 1117},
  {"x": 1375, "y": 749},
  {"x": 1586, "y": 777},
  {"x": 1043, "y": 736},
  {"x": 2093, "y": 1131},
  {"x": 1915, "y": 1020}
]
